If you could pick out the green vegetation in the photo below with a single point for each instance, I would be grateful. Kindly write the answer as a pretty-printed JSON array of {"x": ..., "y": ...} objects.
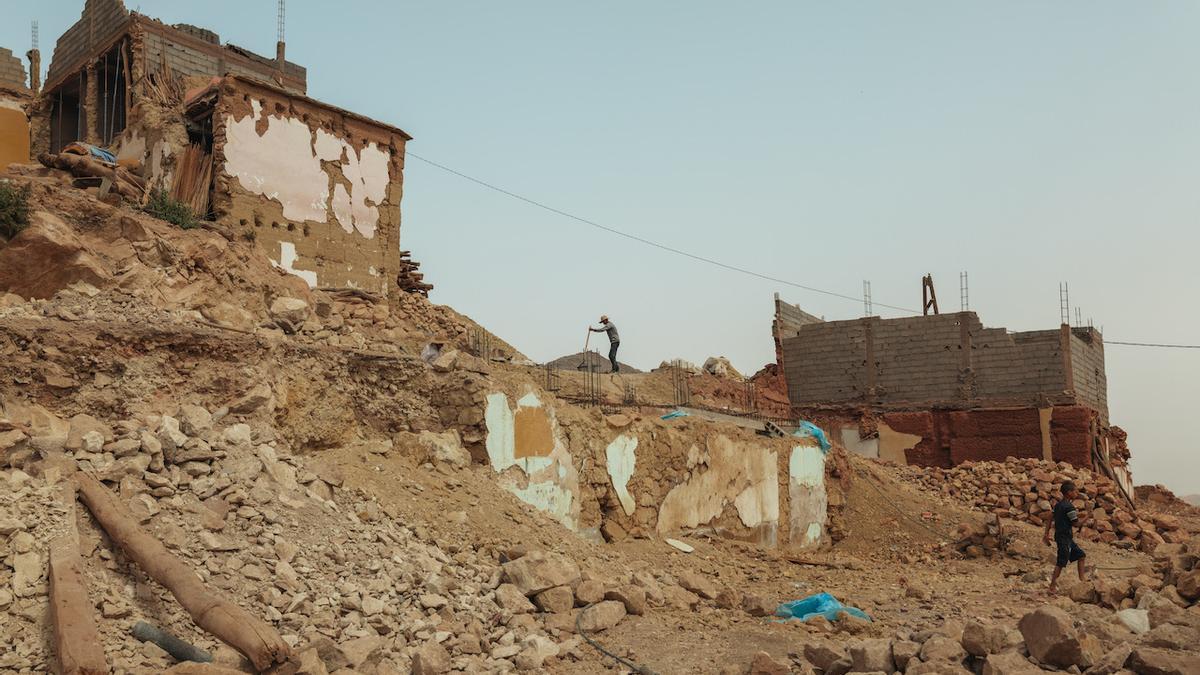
[
  {"x": 161, "y": 206},
  {"x": 14, "y": 209}
]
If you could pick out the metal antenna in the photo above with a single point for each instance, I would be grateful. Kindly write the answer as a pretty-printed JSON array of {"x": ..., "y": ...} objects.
[
  {"x": 282, "y": 15},
  {"x": 868, "y": 308},
  {"x": 1064, "y": 303},
  {"x": 962, "y": 291}
]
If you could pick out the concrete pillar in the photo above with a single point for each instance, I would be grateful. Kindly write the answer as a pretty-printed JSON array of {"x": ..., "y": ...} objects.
[
  {"x": 1068, "y": 368},
  {"x": 35, "y": 70}
]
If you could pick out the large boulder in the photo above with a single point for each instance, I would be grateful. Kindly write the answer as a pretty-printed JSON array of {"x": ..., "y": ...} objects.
[
  {"x": 289, "y": 313},
  {"x": 1051, "y": 638},
  {"x": 47, "y": 257},
  {"x": 538, "y": 571},
  {"x": 1188, "y": 585},
  {"x": 981, "y": 639},
  {"x": 1009, "y": 663},
  {"x": 601, "y": 616},
  {"x": 721, "y": 367},
  {"x": 872, "y": 656},
  {"x": 1151, "y": 661},
  {"x": 699, "y": 584}
]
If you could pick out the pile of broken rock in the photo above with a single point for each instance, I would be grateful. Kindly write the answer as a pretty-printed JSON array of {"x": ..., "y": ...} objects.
[
  {"x": 349, "y": 588},
  {"x": 1045, "y": 640},
  {"x": 1026, "y": 490}
]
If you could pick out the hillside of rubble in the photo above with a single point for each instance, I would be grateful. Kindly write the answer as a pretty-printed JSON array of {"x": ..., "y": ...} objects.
[{"x": 319, "y": 458}]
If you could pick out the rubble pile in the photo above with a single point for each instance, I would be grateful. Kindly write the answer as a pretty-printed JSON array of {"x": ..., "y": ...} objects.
[
  {"x": 328, "y": 567},
  {"x": 1027, "y": 489},
  {"x": 1045, "y": 639},
  {"x": 1156, "y": 594}
]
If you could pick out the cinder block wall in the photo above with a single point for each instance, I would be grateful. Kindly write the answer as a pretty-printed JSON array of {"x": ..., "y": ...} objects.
[
  {"x": 1087, "y": 369},
  {"x": 99, "y": 23},
  {"x": 942, "y": 360},
  {"x": 12, "y": 73}
]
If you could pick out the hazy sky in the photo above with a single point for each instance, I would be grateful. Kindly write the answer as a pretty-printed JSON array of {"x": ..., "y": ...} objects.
[{"x": 1026, "y": 143}]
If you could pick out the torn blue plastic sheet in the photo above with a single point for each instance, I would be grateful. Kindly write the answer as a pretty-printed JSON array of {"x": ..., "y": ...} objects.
[
  {"x": 810, "y": 430},
  {"x": 674, "y": 414},
  {"x": 821, "y": 604}
]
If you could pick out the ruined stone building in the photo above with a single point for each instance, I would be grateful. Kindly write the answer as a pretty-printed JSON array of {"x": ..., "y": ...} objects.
[
  {"x": 942, "y": 389},
  {"x": 233, "y": 135}
]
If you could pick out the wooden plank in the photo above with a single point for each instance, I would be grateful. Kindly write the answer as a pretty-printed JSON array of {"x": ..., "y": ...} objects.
[{"x": 77, "y": 645}]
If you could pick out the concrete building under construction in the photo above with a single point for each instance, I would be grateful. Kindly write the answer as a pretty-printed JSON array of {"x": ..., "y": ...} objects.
[{"x": 942, "y": 389}]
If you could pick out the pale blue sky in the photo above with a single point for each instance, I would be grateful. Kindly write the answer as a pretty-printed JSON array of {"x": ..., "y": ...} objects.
[{"x": 1025, "y": 142}]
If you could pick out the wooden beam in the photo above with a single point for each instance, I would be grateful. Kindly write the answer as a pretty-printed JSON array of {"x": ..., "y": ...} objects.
[{"x": 77, "y": 645}]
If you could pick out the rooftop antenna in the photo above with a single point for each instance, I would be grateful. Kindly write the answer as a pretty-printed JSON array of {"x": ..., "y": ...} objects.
[
  {"x": 1064, "y": 303},
  {"x": 868, "y": 307},
  {"x": 962, "y": 291}
]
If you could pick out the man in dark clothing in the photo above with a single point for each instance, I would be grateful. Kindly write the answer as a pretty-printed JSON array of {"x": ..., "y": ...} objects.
[
  {"x": 614, "y": 340},
  {"x": 1064, "y": 519}
]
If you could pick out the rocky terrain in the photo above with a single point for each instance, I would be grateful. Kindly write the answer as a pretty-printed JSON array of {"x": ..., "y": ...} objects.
[{"x": 317, "y": 458}]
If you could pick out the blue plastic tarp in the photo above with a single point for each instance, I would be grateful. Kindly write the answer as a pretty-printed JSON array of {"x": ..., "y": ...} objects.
[
  {"x": 674, "y": 415},
  {"x": 821, "y": 604},
  {"x": 810, "y": 430}
]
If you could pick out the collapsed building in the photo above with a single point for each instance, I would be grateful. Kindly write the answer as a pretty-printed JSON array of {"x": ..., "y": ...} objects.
[
  {"x": 234, "y": 136},
  {"x": 942, "y": 389}
]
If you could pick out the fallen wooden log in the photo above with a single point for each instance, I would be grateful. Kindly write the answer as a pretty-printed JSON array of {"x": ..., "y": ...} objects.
[
  {"x": 125, "y": 183},
  {"x": 77, "y": 645},
  {"x": 228, "y": 622}
]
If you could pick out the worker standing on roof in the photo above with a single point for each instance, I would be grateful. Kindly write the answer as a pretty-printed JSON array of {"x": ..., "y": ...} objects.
[{"x": 614, "y": 340}]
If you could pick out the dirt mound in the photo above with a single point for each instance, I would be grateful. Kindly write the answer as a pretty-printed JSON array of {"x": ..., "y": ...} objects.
[{"x": 598, "y": 361}]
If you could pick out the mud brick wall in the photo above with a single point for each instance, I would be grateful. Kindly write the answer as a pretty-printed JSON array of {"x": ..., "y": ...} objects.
[
  {"x": 993, "y": 435},
  {"x": 934, "y": 429},
  {"x": 12, "y": 72},
  {"x": 1071, "y": 434},
  {"x": 1087, "y": 369},
  {"x": 100, "y": 22},
  {"x": 316, "y": 187}
]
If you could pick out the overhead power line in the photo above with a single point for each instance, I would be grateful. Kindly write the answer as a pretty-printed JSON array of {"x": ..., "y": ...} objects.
[
  {"x": 1150, "y": 344},
  {"x": 649, "y": 242},
  {"x": 704, "y": 259}
]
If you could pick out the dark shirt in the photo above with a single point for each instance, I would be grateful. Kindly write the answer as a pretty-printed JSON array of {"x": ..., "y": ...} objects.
[{"x": 1065, "y": 516}]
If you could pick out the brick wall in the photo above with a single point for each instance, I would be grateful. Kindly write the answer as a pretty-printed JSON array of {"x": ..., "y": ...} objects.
[
  {"x": 948, "y": 360},
  {"x": 787, "y": 322},
  {"x": 12, "y": 72},
  {"x": 100, "y": 22}
]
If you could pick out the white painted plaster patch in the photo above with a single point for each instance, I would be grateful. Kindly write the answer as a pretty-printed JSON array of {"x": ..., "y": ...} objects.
[
  {"x": 809, "y": 500},
  {"x": 621, "y": 457},
  {"x": 747, "y": 477},
  {"x": 550, "y": 483},
  {"x": 287, "y": 259},
  {"x": 284, "y": 163}
]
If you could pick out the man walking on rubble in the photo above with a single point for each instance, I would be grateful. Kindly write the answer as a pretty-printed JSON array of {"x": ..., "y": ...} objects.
[
  {"x": 614, "y": 340},
  {"x": 1064, "y": 518}
]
